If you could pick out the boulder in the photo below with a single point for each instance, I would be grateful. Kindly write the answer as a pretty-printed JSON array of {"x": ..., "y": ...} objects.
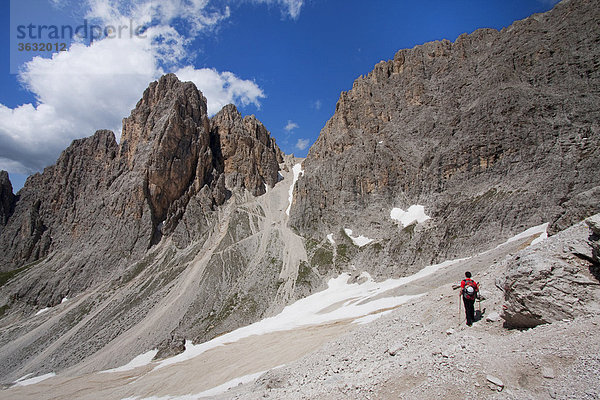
[
  {"x": 594, "y": 224},
  {"x": 552, "y": 281}
]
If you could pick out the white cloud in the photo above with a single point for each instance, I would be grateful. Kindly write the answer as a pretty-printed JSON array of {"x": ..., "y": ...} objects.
[
  {"x": 77, "y": 92},
  {"x": 317, "y": 104},
  {"x": 292, "y": 7},
  {"x": 94, "y": 86},
  {"x": 222, "y": 88},
  {"x": 291, "y": 125},
  {"x": 302, "y": 144}
]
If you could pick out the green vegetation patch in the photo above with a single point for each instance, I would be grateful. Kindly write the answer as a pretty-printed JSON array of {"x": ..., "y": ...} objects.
[
  {"x": 311, "y": 244},
  {"x": 410, "y": 229},
  {"x": 7, "y": 276},
  {"x": 322, "y": 257},
  {"x": 342, "y": 250},
  {"x": 3, "y": 310},
  {"x": 304, "y": 272}
]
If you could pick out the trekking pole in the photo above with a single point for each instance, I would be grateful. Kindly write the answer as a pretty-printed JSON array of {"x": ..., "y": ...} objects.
[
  {"x": 459, "y": 307},
  {"x": 479, "y": 298}
]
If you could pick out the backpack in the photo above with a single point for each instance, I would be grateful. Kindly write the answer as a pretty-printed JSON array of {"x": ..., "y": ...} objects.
[{"x": 470, "y": 290}]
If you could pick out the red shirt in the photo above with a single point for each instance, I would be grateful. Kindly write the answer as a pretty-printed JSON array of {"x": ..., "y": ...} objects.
[{"x": 464, "y": 282}]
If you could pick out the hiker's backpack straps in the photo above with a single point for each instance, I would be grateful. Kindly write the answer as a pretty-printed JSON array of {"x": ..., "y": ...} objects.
[{"x": 470, "y": 289}]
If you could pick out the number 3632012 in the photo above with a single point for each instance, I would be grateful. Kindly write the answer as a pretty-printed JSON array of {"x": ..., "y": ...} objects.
[{"x": 42, "y": 46}]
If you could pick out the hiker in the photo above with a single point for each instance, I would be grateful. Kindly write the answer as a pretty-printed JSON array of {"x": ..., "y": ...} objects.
[{"x": 468, "y": 291}]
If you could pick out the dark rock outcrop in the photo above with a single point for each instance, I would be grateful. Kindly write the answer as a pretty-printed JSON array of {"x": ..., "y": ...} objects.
[
  {"x": 553, "y": 280},
  {"x": 166, "y": 142},
  {"x": 7, "y": 199},
  {"x": 492, "y": 134}
]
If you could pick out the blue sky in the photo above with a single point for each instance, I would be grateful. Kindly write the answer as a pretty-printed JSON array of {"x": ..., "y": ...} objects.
[{"x": 286, "y": 61}]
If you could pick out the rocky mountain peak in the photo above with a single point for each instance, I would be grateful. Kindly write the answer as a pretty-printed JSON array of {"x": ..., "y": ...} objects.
[
  {"x": 168, "y": 156},
  {"x": 166, "y": 140},
  {"x": 165, "y": 104},
  {"x": 6, "y": 198},
  {"x": 250, "y": 155}
]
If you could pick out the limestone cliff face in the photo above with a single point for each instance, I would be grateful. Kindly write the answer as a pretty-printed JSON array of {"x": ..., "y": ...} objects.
[
  {"x": 7, "y": 199},
  {"x": 249, "y": 153},
  {"x": 494, "y": 133},
  {"x": 60, "y": 205},
  {"x": 167, "y": 142}
]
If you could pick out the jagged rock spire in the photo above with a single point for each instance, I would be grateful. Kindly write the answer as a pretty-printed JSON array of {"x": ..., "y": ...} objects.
[
  {"x": 6, "y": 198},
  {"x": 249, "y": 153}
]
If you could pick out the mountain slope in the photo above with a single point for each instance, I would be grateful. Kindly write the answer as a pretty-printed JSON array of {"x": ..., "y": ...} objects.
[
  {"x": 492, "y": 134},
  {"x": 350, "y": 341}
]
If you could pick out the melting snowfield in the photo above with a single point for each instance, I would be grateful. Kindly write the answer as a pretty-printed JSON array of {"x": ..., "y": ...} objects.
[
  {"x": 340, "y": 301},
  {"x": 241, "y": 356}
]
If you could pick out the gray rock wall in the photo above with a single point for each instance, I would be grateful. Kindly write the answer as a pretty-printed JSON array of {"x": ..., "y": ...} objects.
[{"x": 494, "y": 133}]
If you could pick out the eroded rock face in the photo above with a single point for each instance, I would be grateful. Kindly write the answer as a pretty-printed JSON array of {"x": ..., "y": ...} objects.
[
  {"x": 103, "y": 205},
  {"x": 166, "y": 140},
  {"x": 594, "y": 224},
  {"x": 492, "y": 134},
  {"x": 61, "y": 205},
  {"x": 249, "y": 153},
  {"x": 7, "y": 198},
  {"x": 553, "y": 280}
]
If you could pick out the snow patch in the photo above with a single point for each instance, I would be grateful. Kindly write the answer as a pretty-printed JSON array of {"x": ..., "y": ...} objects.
[
  {"x": 64, "y": 300},
  {"x": 340, "y": 301},
  {"x": 370, "y": 318},
  {"x": 414, "y": 214},
  {"x": 23, "y": 377},
  {"x": 139, "y": 361},
  {"x": 541, "y": 230},
  {"x": 242, "y": 380},
  {"x": 360, "y": 241},
  {"x": 297, "y": 169},
  {"x": 330, "y": 238},
  {"x": 33, "y": 381},
  {"x": 43, "y": 310}
]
